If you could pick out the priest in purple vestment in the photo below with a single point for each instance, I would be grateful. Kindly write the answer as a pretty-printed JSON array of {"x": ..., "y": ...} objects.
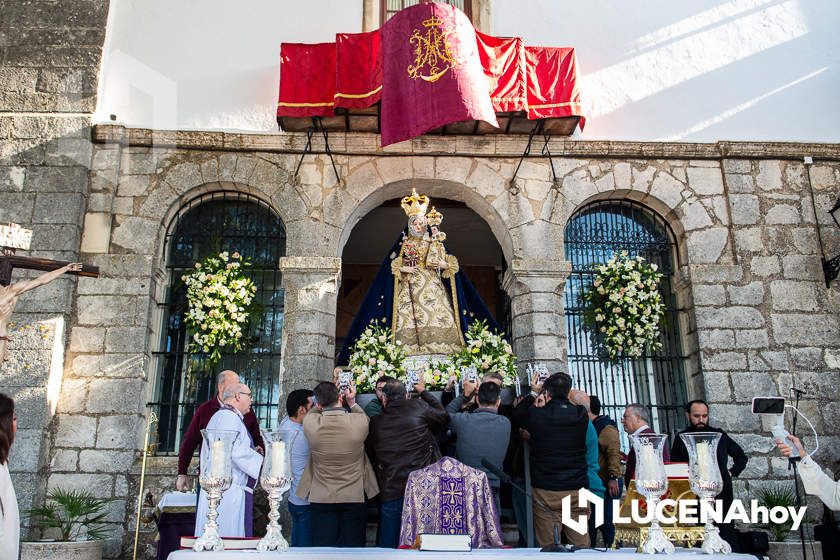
[{"x": 448, "y": 497}]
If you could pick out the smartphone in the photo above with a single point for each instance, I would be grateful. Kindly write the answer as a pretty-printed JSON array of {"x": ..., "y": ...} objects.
[
  {"x": 470, "y": 374},
  {"x": 344, "y": 380},
  {"x": 768, "y": 405},
  {"x": 542, "y": 372}
]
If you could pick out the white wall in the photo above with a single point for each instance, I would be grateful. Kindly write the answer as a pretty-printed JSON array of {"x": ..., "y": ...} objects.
[
  {"x": 693, "y": 70},
  {"x": 207, "y": 64}
]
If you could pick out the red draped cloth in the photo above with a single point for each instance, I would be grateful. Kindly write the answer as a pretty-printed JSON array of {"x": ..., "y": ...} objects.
[
  {"x": 309, "y": 87},
  {"x": 503, "y": 61},
  {"x": 432, "y": 73},
  {"x": 552, "y": 83},
  {"x": 428, "y": 67},
  {"x": 358, "y": 82}
]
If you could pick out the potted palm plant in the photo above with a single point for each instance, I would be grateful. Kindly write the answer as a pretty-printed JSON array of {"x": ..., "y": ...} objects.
[
  {"x": 71, "y": 526},
  {"x": 783, "y": 545}
]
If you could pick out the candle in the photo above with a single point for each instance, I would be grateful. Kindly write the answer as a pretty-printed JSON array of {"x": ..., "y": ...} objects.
[
  {"x": 703, "y": 461},
  {"x": 217, "y": 459},
  {"x": 647, "y": 463},
  {"x": 278, "y": 460}
]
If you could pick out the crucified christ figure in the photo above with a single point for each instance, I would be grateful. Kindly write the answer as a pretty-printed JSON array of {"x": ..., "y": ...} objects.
[{"x": 9, "y": 296}]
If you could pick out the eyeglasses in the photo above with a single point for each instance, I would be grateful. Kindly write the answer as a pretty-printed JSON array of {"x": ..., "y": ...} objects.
[{"x": 244, "y": 393}]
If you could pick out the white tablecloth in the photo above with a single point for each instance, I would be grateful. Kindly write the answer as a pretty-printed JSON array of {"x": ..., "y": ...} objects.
[{"x": 489, "y": 554}]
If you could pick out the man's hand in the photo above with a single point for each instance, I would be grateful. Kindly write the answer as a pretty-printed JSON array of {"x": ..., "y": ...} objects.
[
  {"x": 350, "y": 395},
  {"x": 469, "y": 388},
  {"x": 260, "y": 450},
  {"x": 408, "y": 269},
  {"x": 451, "y": 383},
  {"x": 536, "y": 385},
  {"x": 420, "y": 386},
  {"x": 612, "y": 487},
  {"x": 786, "y": 450},
  {"x": 540, "y": 401},
  {"x": 181, "y": 483},
  {"x": 524, "y": 434}
]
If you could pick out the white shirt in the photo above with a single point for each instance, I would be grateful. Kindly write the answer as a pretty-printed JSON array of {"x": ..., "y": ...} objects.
[
  {"x": 819, "y": 484},
  {"x": 299, "y": 450},
  {"x": 9, "y": 517}
]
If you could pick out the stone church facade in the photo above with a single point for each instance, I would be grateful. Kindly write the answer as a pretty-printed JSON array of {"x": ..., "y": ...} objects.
[{"x": 749, "y": 222}]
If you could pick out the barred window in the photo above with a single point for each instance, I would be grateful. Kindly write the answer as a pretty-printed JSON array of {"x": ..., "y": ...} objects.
[
  {"x": 657, "y": 379},
  {"x": 390, "y": 7},
  {"x": 207, "y": 225}
]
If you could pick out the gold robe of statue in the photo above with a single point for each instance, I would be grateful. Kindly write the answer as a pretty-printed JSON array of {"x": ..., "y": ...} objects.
[{"x": 425, "y": 317}]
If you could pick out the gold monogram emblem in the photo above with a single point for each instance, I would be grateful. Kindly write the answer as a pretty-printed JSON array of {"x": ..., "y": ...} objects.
[{"x": 432, "y": 52}]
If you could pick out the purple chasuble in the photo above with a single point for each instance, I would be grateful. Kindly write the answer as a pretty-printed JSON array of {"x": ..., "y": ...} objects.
[{"x": 448, "y": 497}]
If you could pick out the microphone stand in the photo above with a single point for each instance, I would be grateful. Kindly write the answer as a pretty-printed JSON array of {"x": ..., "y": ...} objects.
[
  {"x": 556, "y": 546},
  {"x": 793, "y": 462}
]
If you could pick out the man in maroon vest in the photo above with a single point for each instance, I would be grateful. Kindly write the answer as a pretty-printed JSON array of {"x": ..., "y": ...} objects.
[
  {"x": 636, "y": 420},
  {"x": 201, "y": 416}
]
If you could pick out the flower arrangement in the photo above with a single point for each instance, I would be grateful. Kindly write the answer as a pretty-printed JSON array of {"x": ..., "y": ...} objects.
[
  {"x": 623, "y": 307},
  {"x": 220, "y": 296},
  {"x": 487, "y": 351},
  {"x": 437, "y": 374},
  {"x": 376, "y": 354}
]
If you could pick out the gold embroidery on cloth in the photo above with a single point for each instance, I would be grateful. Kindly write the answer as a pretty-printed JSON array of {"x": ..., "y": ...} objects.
[
  {"x": 425, "y": 318},
  {"x": 433, "y": 55}
]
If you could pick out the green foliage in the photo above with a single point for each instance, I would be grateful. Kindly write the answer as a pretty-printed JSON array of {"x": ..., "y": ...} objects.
[
  {"x": 777, "y": 495},
  {"x": 75, "y": 514},
  {"x": 487, "y": 352},
  {"x": 376, "y": 354}
]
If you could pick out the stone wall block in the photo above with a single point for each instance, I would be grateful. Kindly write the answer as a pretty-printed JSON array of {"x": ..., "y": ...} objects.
[
  {"x": 136, "y": 234},
  {"x": 805, "y": 329},
  {"x": 125, "y": 339},
  {"x": 73, "y": 396},
  {"x": 716, "y": 339},
  {"x": 17, "y": 208},
  {"x": 791, "y": 295},
  {"x": 734, "y": 317},
  {"x": 740, "y": 183},
  {"x": 807, "y": 358},
  {"x": 801, "y": 267},
  {"x": 105, "y": 310},
  {"x": 65, "y": 460},
  {"x": 96, "y": 460},
  {"x": 705, "y": 180},
  {"x": 749, "y": 240},
  {"x": 750, "y": 294},
  {"x": 769, "y": 176},
  {"x": 715, "y": 273},
  {"x": 157, "y": 203},
  {"x": 717, "y": 388},
  {"x": 87, "y": 339},
  {"x": 723, "y": 360},
  {"x": 122, "y": 396},
  {"x": 75, "y": 431},
  {"x": 765, "y": 266},
  {"x": 708, "y": 294},
  {"x": 693, "y": 215},
  {"x": 753, "y": 338},
  {"x": 57, "y": 208},
  {"x": 750, "y": 384},
  {"x": 744, "y": 209},
  {"x": 99, "y": 485},
  {"x": 782, "y": 214},
  {"x": 706, "y": 246},
  {"x": 731, "y": 418},
  {"x": 184, "y": 176},
  {"x": 133, "y": 185},
  {"x": 55, "y": 179},
  {"x": 668, "y": 190}
]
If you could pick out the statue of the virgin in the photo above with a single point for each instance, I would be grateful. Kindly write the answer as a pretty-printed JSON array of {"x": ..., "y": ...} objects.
[{"x": 420, "y": 291}]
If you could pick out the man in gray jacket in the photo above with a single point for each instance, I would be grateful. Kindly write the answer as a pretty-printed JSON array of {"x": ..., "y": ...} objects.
[{"x": 482, "y": 433}]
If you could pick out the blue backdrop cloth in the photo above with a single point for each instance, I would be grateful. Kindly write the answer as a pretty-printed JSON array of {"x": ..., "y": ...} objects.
[{"x": 378, "y": 304}]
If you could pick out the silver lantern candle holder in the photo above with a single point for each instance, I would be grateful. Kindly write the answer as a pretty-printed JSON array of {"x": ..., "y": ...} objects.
[
  {"x": 652, "y": 483},
  {"x": 215, "y": 477},
  {"x": 706, "y": 481},
  {"x": 275, "y": 478}
]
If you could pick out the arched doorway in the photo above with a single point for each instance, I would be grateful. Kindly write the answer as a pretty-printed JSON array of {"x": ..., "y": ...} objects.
[
  {"x": 209, "y": 224},
  {"x": 468, "y": 237},
  {"x": 657, "y": 379}
]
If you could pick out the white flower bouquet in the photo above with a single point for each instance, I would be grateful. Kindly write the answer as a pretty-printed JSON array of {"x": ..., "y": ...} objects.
[
  {"x": 623, "y": 308},
  {"x": 220, "y": 296},
  {"x": 487, "y": 352},
  {"x": 376, "y": 354},
  {"x": 437, "y": 374}
]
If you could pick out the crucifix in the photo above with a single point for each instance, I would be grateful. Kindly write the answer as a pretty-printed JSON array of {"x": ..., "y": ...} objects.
[{"x": 13, "y": 237}]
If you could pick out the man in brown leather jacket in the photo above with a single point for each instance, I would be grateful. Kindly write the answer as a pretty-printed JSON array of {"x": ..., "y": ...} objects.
[{"x": 402, "y": 440}]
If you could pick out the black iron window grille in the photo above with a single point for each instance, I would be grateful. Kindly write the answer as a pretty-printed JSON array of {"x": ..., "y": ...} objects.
[
  {"x": 209, "y": 224},
  {"x": 657, "y": 379}
]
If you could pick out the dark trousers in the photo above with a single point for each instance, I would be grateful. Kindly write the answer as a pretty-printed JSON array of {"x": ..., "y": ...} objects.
[
  {"x": 390, "y": 518},
  {"x": 608, "y": 528},
  {"x": 301, "y": 525},
  {"x": 341, "y": 525}
]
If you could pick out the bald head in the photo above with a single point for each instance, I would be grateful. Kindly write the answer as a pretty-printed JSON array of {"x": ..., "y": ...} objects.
[
  {"x": 237, "y": 395},
  {"x": 578, "y": 397},
  {"x": 223, "y": 379}
]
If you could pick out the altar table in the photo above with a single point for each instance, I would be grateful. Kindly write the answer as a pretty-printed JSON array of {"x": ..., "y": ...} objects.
[{"x": 480, "y": 554}]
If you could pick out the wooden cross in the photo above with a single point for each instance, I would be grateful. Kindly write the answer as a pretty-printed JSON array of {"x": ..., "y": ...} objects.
[{"x": 13, "y": 237}]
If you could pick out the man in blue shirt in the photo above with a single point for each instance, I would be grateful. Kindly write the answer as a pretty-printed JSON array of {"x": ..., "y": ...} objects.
[{"x": 298, "y": 404}]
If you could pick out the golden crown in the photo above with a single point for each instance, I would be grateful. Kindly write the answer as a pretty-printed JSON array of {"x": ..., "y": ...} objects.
[
  {"x": 415, "y": 205},
  {"x": 434, "y": 218},
  {"x": 432, "y": 22}
]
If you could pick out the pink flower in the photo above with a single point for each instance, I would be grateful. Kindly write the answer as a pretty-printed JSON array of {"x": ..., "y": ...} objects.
[
  {"x": 372, "y": 361},
  {"x": 236, "y": 255},
  {"x": 485, "y": 365}
]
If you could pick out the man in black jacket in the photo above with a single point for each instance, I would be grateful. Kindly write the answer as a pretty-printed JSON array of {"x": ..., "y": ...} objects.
[
  {"x": 401, "y": 440},
  {"x": 697, "y": 413},
  {"x": 557, "y": 434}
]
